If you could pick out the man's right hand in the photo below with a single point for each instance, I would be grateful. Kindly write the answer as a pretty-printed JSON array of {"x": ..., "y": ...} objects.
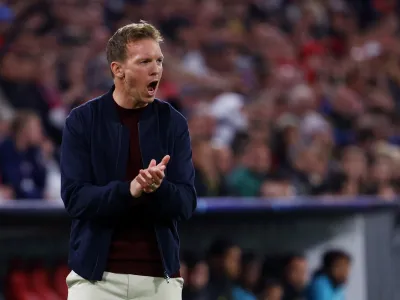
[{"x": 153, "y": 174}]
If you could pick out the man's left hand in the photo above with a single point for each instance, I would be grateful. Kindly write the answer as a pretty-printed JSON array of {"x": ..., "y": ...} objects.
[{"x": 154, "y": 174}]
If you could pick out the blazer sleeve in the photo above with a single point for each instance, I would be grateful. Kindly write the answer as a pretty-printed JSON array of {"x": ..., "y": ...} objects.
[
  {"x": 82, "y": 199},
  {"x": 176, "y": 197}
]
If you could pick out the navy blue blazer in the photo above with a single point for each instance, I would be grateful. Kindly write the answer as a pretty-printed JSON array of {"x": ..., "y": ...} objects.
[{"x": 94, "y": 156}]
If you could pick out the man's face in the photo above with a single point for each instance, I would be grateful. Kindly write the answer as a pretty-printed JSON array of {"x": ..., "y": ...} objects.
[
  {"x": 341, "y": 270},
  {"x": 297, "y": 273},
  {"x": 381, "y": 170},
  {"x": 33, "y": 131},
  {"x": 199, "y": 275},
  {"x": 142, "y": 69},
  {"x": 232, "y": 262},
  {"x": 257, "y": 158},
  {"x": 354, "y": 164},
  {"x": 252, "y": 273}
]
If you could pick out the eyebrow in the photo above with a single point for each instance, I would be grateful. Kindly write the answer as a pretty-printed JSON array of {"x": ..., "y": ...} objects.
[{"x": 150, "y": 58}]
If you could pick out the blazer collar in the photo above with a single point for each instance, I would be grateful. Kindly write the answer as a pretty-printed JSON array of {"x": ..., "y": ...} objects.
[{"x": 111, "y": 110}]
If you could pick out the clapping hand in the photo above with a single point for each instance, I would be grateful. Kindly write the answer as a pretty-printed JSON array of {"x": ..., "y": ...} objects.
[{"x": 150, "y": 179}]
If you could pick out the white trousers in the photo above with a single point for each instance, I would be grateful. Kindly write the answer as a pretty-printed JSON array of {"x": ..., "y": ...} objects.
[{"x": 124, "y": 287}]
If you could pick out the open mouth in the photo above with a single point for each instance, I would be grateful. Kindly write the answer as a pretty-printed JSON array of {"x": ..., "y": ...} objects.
[{"x": 151, "y": 87}]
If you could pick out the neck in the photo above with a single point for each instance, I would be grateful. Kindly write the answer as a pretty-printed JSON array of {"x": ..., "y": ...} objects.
[{"x": 124, "y": 100}]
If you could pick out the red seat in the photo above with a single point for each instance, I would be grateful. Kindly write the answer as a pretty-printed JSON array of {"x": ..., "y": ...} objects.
[
  {"x": 40, "y": 284},
  {"x": 18, "y": 286},
  {"x": 60, "y": 286}
]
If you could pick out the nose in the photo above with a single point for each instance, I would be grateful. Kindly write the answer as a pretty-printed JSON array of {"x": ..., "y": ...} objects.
[{"x": 155, "y": 69}]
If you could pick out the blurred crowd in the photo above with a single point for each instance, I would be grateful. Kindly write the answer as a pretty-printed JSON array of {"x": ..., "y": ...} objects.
[
  {"x": 283, "y": 97},
  {"x": 227, "y": 272}
]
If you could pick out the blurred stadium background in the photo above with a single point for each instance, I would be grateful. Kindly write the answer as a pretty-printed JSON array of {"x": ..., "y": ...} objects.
[{"x": 293, "y": 108}]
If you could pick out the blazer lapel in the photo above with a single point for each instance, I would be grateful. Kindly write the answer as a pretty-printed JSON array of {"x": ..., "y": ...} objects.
[
  {"x": 118, "y": 135},
  {"x": 149, "y": 135}
]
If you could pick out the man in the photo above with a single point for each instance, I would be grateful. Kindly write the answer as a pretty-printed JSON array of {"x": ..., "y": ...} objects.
[
  {"x": 295, "y": 277},
  {"x": 23, "y": 159},
  {"x": 124, "y": 239},
  {"x": 224, "y": 262},
  {"x": 197, "y": 278},
  {"x": 330, "y": 280}
]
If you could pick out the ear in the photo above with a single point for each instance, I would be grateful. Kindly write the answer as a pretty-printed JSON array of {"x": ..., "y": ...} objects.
[{"x": 117, "y": 70}]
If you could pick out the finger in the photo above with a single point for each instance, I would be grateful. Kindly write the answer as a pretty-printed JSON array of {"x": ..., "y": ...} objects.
[
  {"x": 160, "y": 172},
  {"x": 152, "y": 163},
  {"x": 143, "y": 183},
  {"x": 165, "y": 160},
  {"x": 157, "y": 175},
  {"x": 147, "y": 176}
]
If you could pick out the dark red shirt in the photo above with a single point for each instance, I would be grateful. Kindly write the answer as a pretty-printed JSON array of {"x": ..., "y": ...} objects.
[{"x": 134, "y": 248}]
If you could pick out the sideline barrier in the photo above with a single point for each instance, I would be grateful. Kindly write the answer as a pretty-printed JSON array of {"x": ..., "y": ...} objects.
[{"x": 366, "y": 227}]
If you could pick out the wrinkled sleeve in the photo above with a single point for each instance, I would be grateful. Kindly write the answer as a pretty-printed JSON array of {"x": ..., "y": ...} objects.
[{"x": 176, "y": 197}]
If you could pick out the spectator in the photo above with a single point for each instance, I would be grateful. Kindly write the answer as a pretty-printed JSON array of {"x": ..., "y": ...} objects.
[
  {"x": 196, "y": 287},
  {"x": 22, "y": 159},
  {"x": 277, "y": 186},
  {"x": 224, "y": 262},
  {"x": 246, "y": 180},
  {"x": 6, "y": 192},
  {"x": 287, "y": 137},
  {"x": 271, "y": 290},
  {"x": 295, "y": 278},
  {"x": 354, "y": 164},
  {"x": 249, "y": 277},
  {"x": 208, "y": 181},
  {"x": 310, "y": 170},
  {"x": 297, "y": 82},
  {"x": 224, "y": 160},
  {"x": 329, "y": 281}
]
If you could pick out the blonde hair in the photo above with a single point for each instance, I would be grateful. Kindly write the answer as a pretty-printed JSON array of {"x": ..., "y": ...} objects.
[{"x": 116, "y": 46}]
